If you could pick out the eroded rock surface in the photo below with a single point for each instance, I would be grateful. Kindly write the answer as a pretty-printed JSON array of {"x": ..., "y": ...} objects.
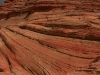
[{"x": 50, "y": 37}]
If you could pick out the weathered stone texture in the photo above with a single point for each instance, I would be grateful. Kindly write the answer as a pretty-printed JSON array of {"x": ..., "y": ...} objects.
[{"x": 50, "y": 37}]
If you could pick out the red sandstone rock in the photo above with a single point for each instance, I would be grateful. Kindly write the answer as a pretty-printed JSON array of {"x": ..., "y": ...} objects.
[{"x": 50, "y": 37}]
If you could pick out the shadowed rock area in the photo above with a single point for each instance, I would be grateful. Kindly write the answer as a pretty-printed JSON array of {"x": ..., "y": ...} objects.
[{"x": 50, "y": 37}]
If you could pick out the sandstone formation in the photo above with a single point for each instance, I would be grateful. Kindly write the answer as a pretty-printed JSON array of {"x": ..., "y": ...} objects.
[{"x": 50, "y": 37}]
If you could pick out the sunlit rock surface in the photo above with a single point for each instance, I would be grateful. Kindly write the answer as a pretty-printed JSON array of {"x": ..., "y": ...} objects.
[{"x": 50, "y": 37}]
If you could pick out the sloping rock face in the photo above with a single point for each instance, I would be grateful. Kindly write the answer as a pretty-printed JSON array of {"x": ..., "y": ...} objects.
[{"x": 50, "y": 37}]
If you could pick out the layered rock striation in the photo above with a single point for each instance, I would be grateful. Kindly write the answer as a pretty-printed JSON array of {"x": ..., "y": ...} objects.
[{"x": 50, "y": 37}]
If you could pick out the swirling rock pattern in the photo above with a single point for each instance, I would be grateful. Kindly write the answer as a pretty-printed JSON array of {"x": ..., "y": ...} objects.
[{"x": 56, "y": 37}]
